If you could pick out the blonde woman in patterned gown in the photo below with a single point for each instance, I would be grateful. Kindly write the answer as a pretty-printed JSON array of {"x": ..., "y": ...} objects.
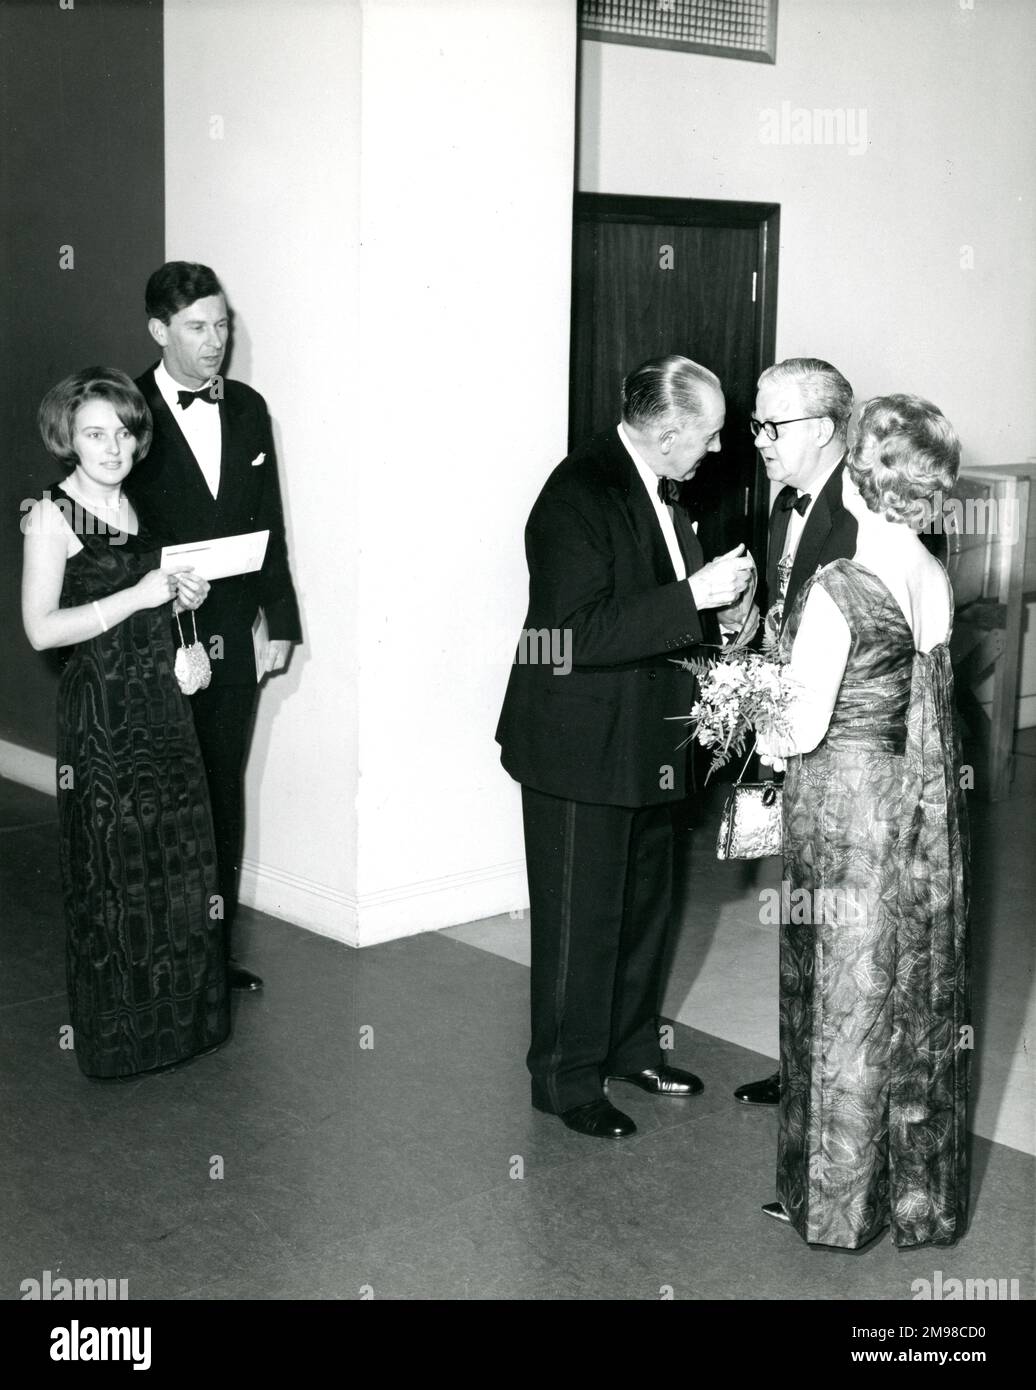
[{"x": 874, "y": 997}]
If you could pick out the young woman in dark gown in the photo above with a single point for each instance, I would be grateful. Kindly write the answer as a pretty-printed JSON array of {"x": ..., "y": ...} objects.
[
  {"x": 874, "y": 994},
  {"x": 145, "y": 955}
]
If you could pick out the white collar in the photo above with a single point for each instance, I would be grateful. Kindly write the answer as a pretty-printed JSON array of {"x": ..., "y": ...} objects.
[
  {"x": 819, "y": 483},
  {"x": 647, "y": 476},
  {"x": 169, "y": 387}
]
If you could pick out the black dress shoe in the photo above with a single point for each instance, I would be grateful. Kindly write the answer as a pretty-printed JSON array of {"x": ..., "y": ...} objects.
[
  {"x": 777, "y": 1211},
  {"x": 765, "y": 1092},
  {"x": 664, "y": 1081},
  {"x": 599, "y": 1120},
  {"x": 240, "y": 978}
]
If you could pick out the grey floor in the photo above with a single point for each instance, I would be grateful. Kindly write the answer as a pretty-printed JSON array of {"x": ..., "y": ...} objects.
[
  {"x": 413, "y": 1168},
  {"x": 722, "y": 977}
]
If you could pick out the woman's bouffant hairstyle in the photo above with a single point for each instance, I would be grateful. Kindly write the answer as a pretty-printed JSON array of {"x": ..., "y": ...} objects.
[
  {"x": 57, "y": 412},
  {"x": 905, "y": 452},
  {"x": 664, "y": 388}
]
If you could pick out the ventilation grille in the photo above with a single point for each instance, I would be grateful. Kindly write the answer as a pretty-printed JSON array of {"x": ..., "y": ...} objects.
[{"x": 725, "y": 28}]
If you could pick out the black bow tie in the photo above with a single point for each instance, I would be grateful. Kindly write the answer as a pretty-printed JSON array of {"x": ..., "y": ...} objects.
[
  {"x": 799, "y": 503},
  {"x": 185, "y": 398},
  {"x": 668, "y": 491}
]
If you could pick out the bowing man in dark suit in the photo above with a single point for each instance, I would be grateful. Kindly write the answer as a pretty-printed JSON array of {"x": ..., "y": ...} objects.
[
  {"x": 618, "y": 588},
  {"x": 802, "y": 410},
  {"x": 212, "y": 472}
]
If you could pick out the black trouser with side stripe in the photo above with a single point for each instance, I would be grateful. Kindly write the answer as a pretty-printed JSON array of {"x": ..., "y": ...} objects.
[{"x": 600, "y": 884}]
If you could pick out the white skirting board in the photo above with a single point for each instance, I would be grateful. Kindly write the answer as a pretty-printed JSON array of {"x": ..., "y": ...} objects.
[
  {"x": 302, "y": 901},
  {"x": 450, "y": 901},
  {"x": 373, "y": 918},
  {"x": 31, "y": 769}
]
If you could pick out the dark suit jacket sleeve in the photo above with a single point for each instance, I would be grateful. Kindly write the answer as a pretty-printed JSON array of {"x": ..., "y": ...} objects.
[
  {"x": 572, "y": 586},
  {"x": 276, "y": 591}
]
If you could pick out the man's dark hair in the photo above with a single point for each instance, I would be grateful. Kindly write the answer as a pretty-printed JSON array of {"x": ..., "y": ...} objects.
[{"x": 175, "y": 285}]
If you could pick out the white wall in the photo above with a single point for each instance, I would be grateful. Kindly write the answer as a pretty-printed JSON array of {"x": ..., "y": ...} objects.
[
  {"x": 468, "y": 167},
  {"x": 872, "y": 251},
  {"x": 273, "y": 207}
]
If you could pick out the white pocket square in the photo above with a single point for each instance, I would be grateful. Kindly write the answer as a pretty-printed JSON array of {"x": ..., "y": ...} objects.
[{"x": 259, "y": 458}]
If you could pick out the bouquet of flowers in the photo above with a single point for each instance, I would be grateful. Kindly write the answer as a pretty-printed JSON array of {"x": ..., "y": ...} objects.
[{"x": 739, "y": 692}]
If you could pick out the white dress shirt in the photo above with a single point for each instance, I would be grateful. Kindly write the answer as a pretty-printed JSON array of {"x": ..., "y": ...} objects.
[
  {"x": 796, "y": 523},
  {"x": 665, "y": 520},
  {"x": 199, "y": 424}
]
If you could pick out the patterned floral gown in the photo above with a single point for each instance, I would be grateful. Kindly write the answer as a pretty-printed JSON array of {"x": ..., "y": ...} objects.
[
  {"x": 874, "y": 992},
  {"x": 146, "y": 967}
]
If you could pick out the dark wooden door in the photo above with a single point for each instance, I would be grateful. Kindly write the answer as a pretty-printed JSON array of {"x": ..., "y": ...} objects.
[{"x": 658, "y": 275}]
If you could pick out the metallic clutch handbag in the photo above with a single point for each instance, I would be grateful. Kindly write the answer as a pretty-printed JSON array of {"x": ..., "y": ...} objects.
[
  {"x": 191, "y": 667},
  {"x": 752, "y": 823}
]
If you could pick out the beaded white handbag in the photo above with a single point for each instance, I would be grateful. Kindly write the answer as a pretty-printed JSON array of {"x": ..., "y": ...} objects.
[{"x": 191, "y": 668}]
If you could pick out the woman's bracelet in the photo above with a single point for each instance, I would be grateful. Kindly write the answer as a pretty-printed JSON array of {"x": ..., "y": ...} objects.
[{"x": 100, "y": 616}]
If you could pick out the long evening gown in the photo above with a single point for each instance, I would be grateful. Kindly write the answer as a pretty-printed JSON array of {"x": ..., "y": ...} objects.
[
  {"x": 874, "y": 998},
  {"x": 146, "y": 966}
]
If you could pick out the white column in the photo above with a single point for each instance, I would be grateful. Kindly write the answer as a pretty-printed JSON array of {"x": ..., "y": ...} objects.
[{"x": 468, "y": 148}]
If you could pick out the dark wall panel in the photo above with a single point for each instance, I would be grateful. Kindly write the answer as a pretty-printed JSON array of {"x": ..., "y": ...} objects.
[{"x": 81, "y": 165}]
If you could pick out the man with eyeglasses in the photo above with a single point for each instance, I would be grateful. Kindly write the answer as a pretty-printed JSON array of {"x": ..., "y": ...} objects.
[{"x": 802, "y": 410}]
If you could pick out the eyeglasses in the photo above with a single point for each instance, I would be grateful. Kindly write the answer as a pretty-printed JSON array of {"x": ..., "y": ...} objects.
[{"x": 769, "y": 427}]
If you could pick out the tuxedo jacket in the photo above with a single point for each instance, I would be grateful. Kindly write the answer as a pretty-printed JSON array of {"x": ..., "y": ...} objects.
[
  {"x": 173, "y": 501},
  {"x": 600, "y": 576},
  {"x": 829, "y": 534}
]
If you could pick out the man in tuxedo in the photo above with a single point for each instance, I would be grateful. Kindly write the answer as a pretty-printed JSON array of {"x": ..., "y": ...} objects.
[
  {"x": 618, "y": 591},
  {"x": 802, "y": 411},
  {"x": 211, "y": 471}
]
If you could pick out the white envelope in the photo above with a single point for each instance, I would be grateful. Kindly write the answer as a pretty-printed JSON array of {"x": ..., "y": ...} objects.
[{"x": 219, "y": 558}]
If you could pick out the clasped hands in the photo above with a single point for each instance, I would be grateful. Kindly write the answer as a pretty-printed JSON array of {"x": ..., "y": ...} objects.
[{"x": 188, "y": 590}]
